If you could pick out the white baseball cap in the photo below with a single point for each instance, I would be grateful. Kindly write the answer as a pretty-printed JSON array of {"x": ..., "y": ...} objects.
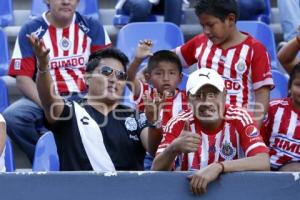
[{"x": 204, "y": 76}]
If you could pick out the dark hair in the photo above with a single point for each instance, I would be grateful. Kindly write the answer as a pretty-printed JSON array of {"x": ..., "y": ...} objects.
[
  {"x": 163, "y": 55},
  {"x": 96, "y": 57},
  {"x": 296, "y": 70},
  {"x": 218, "y": 8}
]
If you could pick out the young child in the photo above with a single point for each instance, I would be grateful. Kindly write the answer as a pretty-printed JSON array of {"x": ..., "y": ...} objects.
[
  {"x": 281, "y": 130},
  {"x": 242, "y": 61},
  {"x": 2, "y": 143},
  {"x": 160, "y": 98}
]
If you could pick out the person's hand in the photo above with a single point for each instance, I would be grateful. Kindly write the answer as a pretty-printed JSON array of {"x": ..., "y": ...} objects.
[
  {"x": 144, "y": 49},
  {"x": 187, "y": 141},
  {"x": 152, "y": 105},
  {"x": 40, "y": 51},
  {"x": 201, "y": 178}
]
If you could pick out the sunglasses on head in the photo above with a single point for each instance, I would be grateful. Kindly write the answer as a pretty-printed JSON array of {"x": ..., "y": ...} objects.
[{"x": 107, "y": 71}]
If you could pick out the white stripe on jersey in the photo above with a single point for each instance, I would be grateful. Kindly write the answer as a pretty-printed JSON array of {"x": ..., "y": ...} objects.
[
  {"x": 178, "y": 52},
  {"x": 216, "y": 59},
  {"x": 17, "y": 52},
  {"x": 218, "y": 146},
  {"x": 292, "y": 125},
  {"x": 198, "y": 50},
  {"x": 71, "y": 84},
  {"x": 191, "y": 155},
  {"x": 177, "y": 104},
  {"x": 276, "y": 125},
  {"x": 253, "y": 146},
  {"x": 204, "y": 151},
  {"x": 71, "y": 38},
  {"x": 205, "y": 54},
  {"x": 59, "y": 36},
  {"x": 245, "y": 120}
]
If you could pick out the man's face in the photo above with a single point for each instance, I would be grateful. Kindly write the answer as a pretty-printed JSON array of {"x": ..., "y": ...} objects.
[
  {"x": 107, "y": 81},
  {"x": 208, "y": 104},
  {"x": 295, "y": 90},
  {"x": 63, "y": 9},
  {"x": 165, "y": 77},
  {"x": 215, "y": 29}
]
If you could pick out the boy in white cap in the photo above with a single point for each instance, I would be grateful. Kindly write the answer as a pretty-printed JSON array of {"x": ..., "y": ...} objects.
[{"x": 211, "y": 137}]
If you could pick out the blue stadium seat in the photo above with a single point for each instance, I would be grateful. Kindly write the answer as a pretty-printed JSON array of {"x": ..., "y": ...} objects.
[
  {"x": 6, "y": 13},
  {"x": 264, "y": 34},
  {"x": 45, "y": 155},
  {"x": 4, "y": 55},
  {"x": 247, "y": 14},
  {"x": 4, "y": 102},
  {"x": 281, "y": 85},
  {"x": 164, "y": 35},
  {"x": 85, "y": 7},
  {"x": 9, "y": 156}
]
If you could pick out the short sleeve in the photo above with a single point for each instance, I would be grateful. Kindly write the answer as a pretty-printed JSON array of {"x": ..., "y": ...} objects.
[{"x": 187, "y": 52}]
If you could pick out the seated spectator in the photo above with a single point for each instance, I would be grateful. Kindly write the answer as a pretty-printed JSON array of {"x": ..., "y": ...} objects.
[
  {"x": 210, "y": 137},
  {"x": 242, "y": 61},
  {"x": 164, "y": 73},
  {"x": 287, "y": 55},
  {"x": 71, "y": 37},
  {"x": 98, "y": 133},
  {"x": 2, "y": 143},
  {"x": 280, "y": 129},
  {"x": 140, "y": 10},
  {"x": 289, "y": 18},
  {"x": 250, "y": 9}
]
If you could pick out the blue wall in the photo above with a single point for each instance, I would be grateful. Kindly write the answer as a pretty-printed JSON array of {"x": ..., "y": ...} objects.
[{"x": 152, "y": 186}]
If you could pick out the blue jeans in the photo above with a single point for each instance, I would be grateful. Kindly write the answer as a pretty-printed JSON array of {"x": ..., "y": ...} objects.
[
  {"x": 289, "y": 17},
  {"x": 140, "y": 10},
  {"x": 25, "y": 123}
]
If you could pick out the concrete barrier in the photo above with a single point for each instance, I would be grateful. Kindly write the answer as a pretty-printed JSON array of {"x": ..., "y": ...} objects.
[{"x": 146, "y": 186}]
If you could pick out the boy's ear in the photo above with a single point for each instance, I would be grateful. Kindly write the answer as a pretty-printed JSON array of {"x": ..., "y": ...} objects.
[
  {"x": 231, "y": 18},
  {"x": 147, "y": 76}
]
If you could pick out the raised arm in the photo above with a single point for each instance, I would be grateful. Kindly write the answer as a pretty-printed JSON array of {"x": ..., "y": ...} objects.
[
  {"x": 142, "y": 52},
  {"x": 287, "y": 55},
  {"x": 52, "y": 104}
]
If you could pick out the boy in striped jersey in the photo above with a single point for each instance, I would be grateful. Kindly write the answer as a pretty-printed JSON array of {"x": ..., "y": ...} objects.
[
  {"x": 281, "y": 128},
  {"x": 160, "y": 99},
  {"x": 211, "y": 137},
  {"x": 242, "y": 61},
  {"x": 71, "y": 38}
]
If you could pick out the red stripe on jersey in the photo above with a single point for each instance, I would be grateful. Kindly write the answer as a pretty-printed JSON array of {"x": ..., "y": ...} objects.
[
  {"x": 196, "y": 160},
  {"x": 61, "y": 83},
  {"x": 245, "y": 82},
  {"x": 204, "y": 46},
  {"x": 53, "y": 37},
  {"x": 66, "y": 34},
  {"x": 210, "y": 56},
  {"x": 95, "y": 48},
  {"x": 79, "y": 82},
  {"x": 84, "y": 43},
  {"x": 221, "y": 64},
  {"x": 284, "y": 159},
  {"x": 233, "y": 73},
  {"x": 76, "y": 38},
  {"x": 284, "y": 125}
]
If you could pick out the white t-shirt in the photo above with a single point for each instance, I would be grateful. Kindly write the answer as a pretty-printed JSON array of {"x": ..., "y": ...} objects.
[{"x": 2, "y": 163}]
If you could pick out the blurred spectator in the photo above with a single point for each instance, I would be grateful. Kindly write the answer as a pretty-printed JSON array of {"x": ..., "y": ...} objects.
[
  {"x": 71, "y": 38},
  {"x": 140, "y": 10},
  {"x": 204, "y": 137},
  {"x": 289, "y": 17},
  {"x": 237, "y": 56},
  {"x": 250, "y": 9},
  {"x": 2, "y": 143},
  {"x": 98, "y": 133},
  {"x": 281, "y": 130}
]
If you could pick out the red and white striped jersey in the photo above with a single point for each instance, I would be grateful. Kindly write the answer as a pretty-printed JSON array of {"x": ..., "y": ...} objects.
[
  {"x": 281, "y": 131},
  {"x": 244, "y": 67},
  {"x": 235, "y": 138},
  {"x": 69, "y": 47},
  {"x": 171, "y": 106}
]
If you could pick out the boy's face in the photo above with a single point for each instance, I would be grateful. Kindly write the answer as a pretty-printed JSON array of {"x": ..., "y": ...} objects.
[
  {"x": 295, "y": 91},
  {"x": 165, "y": 77},
  {"x": 215, "y": 29}
]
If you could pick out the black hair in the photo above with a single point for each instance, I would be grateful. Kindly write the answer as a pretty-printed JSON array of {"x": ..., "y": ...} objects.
[
  {"x": 111, "y": 52},
  {"x": 296, "y": 70},
  {"x": 218, "y": 8},
  {"x": 163, "y": 55}
]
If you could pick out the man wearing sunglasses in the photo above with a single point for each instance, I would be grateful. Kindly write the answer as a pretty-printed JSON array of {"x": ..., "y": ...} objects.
[{"x": 99, "y": 133}]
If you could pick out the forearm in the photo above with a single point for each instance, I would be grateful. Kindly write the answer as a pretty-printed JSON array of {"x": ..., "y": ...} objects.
[
  {"x": 2, "y": 136},
  {"x": 133, "y": 68},
  {"x": 28, "y": 88},
  {"x": 52, "y": 104},
  {"x": 287, "y": 55},
  {"x": 259, "y": 162},
  {"x": 291, "y": 167},
  {"x": 164, "y": 161}
]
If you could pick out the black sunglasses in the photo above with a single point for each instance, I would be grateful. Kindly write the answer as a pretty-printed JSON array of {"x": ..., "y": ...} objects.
[{"x": 107, "y": 71}]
